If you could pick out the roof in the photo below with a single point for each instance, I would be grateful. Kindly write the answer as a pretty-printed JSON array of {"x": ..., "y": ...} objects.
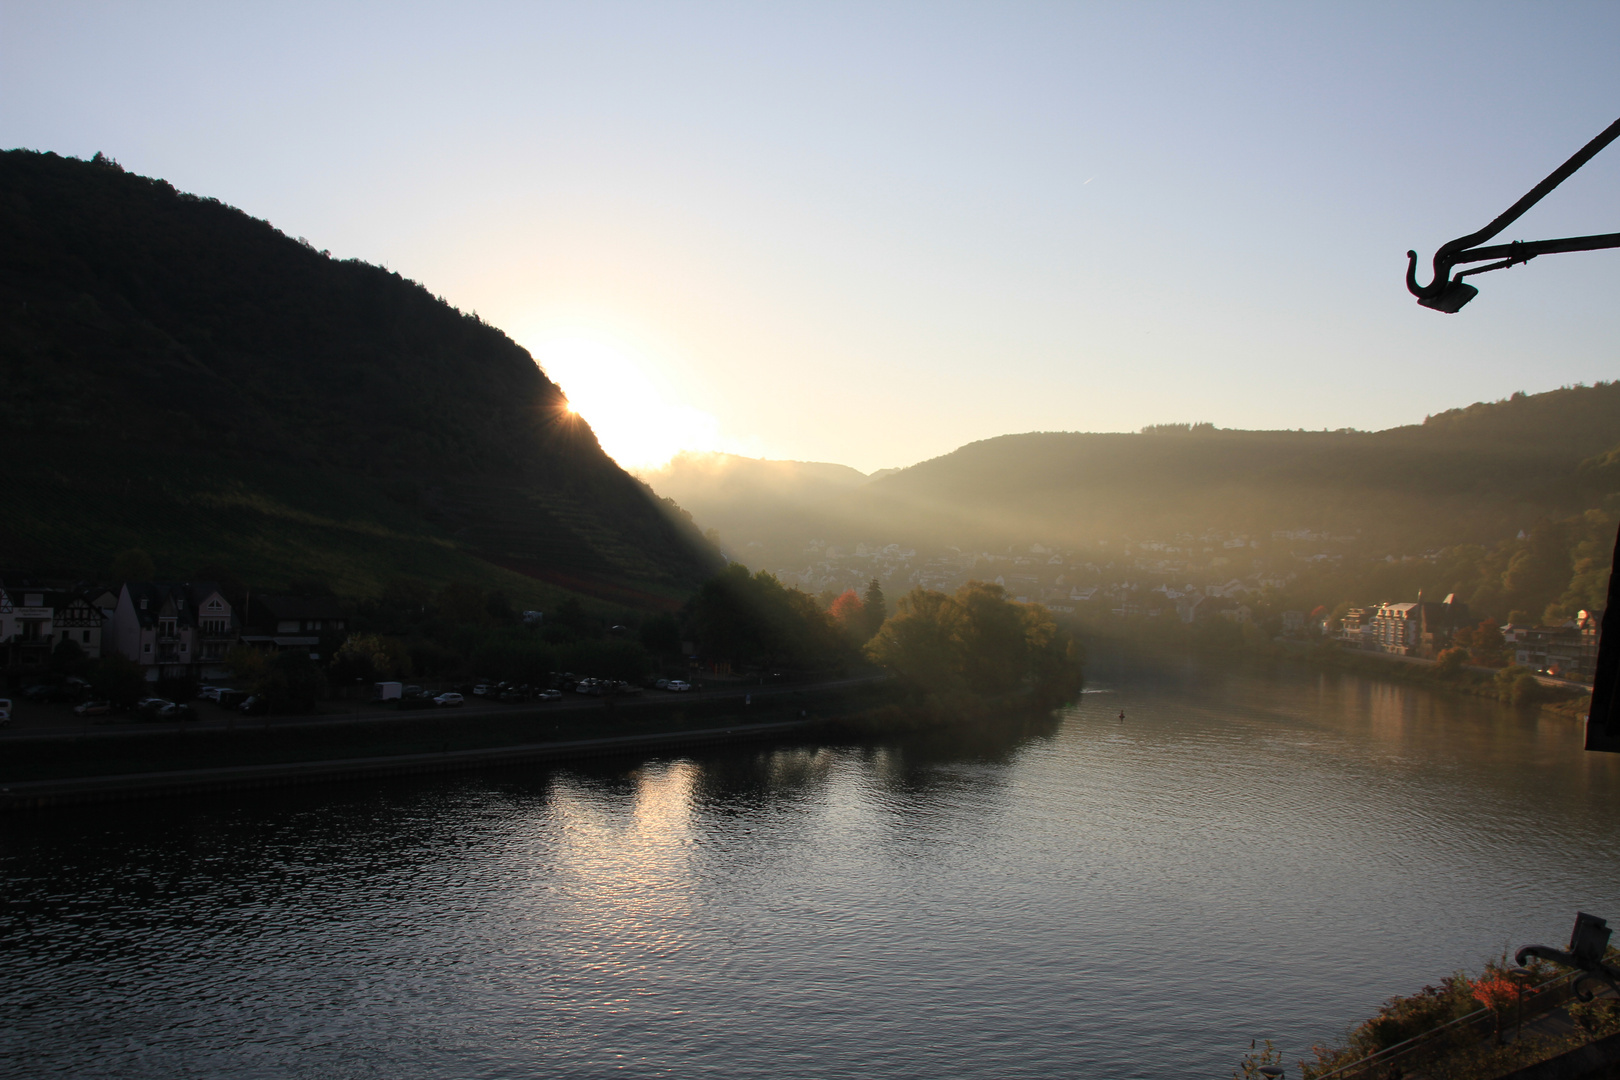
[{"x": 174, "y": 599}]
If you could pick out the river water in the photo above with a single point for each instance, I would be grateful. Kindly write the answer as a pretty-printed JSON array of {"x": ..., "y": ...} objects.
[{"x": 1257, "y": 854}]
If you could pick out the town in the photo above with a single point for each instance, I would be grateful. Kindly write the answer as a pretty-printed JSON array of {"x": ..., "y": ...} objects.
[{"x": 1249, "y": 580}]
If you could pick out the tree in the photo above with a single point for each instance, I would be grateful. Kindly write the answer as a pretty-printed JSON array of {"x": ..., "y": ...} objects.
[
  {"x": 291, "y": 684},
  {"x": 67, "y": 658},
  {"x": 132, "y": 565},
  {"x": 660, "y": 635},
  {"x": 246, "y": 663},
  {"x": 1450, "y": 661},
  {"x": 978, "y": 643},
  {"x": 922, "y": 643},
  {"x": 1485, "y": 644},
  {"x": 571, "y": 615},
  {"x": 850, "y": 615},
  {"x": 462, "y": 604},
  {"x": 877, "y": 608},
  {"x": 369, "y": 657},
  {"x": 117, "y": 679},
  {"x": 754, "y": 619},
  {"x": 498, "y": 607},
  {"x": 309, "y": 588},
  {"x": 993, "y": 647}
]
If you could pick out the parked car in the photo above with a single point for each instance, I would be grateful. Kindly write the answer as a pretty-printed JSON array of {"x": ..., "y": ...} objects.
[
  {"x": 92, "y": 708},
  {"x": 549, "y": 695},
  {"x": 481, "y": 690},
  {"x": 147, "y": 708},
  {"x": 207, "y": 692},
  {"x": 252, "y": 706},
  {"x": 678, "y": 685},
  {"x": 514, "y": 694},
  {"x": 661, "y": 684},
  {"x": 230, "y": 699},
  {"x": 449, "y": 699},
  {"x": 5, "y": 712},
  {"x": 177, "y": 710}
]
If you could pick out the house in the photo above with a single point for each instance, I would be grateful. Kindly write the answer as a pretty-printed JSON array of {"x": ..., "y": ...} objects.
[
  {"x": 279, "y": 623},
  {"x": 27, "y": 626},
  {"x": 1356, "y": 628},
  {"x": 1395, "y": 629},
  {"x": 174, "y": 630},
  {"x": 1293, "y": 623},
  {"x": 79, "y": 618},
  {"x": 1239, "y": 613},
  {"x": 1572, "y": 654}
]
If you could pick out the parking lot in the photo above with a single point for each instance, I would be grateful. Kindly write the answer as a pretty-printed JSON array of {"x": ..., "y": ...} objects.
[{"x": 44, "y": 719}]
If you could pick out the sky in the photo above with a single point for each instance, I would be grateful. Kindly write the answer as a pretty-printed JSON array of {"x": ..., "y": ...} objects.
[{"x": 870, "y": 233}]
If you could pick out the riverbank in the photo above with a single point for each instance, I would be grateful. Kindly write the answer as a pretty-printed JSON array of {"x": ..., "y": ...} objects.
[
  {"x": 110, "y": 765},
  {"x": 1555, "y": 696}
]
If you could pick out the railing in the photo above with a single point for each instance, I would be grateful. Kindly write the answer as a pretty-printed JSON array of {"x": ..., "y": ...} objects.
[{"x": 1539, "y": 998}]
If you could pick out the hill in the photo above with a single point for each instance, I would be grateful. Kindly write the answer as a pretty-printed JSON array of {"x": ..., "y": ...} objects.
[
  {"x": 178, "y": 376},
  {"x": 1470, "y": 475},
  {"x": 1467, "y": 475},
  {"x": 750, "y": 498}
]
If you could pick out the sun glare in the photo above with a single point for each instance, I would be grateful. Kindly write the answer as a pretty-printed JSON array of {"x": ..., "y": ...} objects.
[{"x": 640, "y": 420}]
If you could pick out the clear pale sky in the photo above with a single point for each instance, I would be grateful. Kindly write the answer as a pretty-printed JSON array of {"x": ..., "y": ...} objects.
[{"x": 869, "y": 233}]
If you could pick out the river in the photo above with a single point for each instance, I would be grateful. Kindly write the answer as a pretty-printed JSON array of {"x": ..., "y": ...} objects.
[{"x": 1260, "y": 854}]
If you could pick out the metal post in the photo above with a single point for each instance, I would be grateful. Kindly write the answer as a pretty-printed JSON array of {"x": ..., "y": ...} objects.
[{"x": 1520, "y": 977}]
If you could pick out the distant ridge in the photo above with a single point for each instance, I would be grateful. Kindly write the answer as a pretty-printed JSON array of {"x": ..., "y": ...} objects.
[
  {"x": 1467, "y": 475},
  {"x": 178, "y": 376}
]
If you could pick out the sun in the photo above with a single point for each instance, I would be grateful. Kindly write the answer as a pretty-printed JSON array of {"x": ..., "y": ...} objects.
[{"x": 638, "y": 416}]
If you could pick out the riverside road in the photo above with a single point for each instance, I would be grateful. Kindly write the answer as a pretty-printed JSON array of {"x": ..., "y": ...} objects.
[{"x": 33, "y": 722}]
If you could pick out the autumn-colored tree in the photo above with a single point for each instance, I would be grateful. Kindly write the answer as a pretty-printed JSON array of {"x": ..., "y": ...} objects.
[
  {"x": 1497, "y": 993},
  {"x": 1450, "y": 661},
  {"x": 848, "y": 611},
  {"x": 1484, "y": 643}
]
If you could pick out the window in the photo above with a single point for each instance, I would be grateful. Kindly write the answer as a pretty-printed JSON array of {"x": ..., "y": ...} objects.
[
  {"x": 87, "y": 636},
  {"x": 148, "y": 646}
]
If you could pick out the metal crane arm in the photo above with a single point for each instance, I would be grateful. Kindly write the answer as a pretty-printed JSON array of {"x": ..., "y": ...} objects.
[{"x": 1445, "y": 294}]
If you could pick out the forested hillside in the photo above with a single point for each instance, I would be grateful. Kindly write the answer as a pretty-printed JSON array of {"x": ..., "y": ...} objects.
[
  {"x": 1509, "y": 504},
  {"x": 1469, "y": 475},
  {"x": 178, "y": 376}
]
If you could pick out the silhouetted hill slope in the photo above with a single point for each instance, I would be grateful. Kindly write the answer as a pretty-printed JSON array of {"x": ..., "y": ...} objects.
[
  {"x": 753, "y": 496},
  {"x": 179, "y": 376},
  {"x": 1466, "y": 475}
]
